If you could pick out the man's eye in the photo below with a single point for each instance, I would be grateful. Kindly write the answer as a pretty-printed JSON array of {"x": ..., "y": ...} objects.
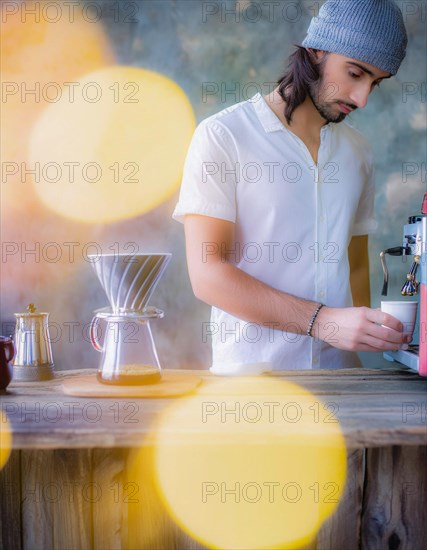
[{"x": 354, "y": 75}]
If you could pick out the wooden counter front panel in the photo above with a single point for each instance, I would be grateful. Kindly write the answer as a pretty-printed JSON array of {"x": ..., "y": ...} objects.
[{"x": 82, "y": 499}]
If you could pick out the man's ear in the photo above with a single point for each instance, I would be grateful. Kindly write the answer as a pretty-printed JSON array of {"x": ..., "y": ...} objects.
[
  {"x": 316, "y": 55},
  {"x": 319, "y": 54}
]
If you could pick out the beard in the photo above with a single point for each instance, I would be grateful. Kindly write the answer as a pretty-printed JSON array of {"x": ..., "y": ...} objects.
[{"x": 326, "y": 110}]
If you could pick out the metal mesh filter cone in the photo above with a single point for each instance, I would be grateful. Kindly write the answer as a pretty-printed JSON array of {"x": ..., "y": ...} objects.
[{"x": 129, "y": 280}]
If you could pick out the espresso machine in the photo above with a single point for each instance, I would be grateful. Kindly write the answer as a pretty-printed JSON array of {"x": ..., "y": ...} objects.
[{"x": 414, "y": 244}]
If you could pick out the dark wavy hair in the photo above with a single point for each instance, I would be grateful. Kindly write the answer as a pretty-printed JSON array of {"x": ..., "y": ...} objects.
[{"x": 303, "y": 69}]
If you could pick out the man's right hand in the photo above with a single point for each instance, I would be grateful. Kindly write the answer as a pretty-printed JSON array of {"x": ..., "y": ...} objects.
[{"x": 359, "y": 329}]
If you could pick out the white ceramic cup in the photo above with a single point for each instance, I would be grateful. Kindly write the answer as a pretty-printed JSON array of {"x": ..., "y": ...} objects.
[{"x": 403, "y": 310}]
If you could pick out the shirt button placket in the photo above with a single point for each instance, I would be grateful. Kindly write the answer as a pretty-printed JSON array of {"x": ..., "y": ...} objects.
[{"x": 322, "y": 238}]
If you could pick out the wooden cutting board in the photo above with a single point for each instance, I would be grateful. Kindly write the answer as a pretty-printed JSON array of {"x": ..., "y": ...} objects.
[{"x": 172, "y": 384}]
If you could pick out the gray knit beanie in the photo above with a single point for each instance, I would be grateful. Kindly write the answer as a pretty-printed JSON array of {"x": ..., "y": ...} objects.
[{"x": 368, "y": 30}]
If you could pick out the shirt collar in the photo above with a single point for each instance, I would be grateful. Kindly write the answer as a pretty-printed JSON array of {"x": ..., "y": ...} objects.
[
  {"x": 269, "y": 121},
  {"x": 267, "y": 118}
]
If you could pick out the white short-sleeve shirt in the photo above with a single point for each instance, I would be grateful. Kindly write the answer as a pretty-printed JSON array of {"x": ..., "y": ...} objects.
[{"x": 294, "y": 222}]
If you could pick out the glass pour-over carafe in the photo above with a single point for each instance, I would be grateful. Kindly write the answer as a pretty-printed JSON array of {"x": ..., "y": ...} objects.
[{"x": 122, "y": 333}]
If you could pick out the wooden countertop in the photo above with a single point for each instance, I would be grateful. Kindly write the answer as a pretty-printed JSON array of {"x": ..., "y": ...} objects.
[{"x": 376, "y": 407}]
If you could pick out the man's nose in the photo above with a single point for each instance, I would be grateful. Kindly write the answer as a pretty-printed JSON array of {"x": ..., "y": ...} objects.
[{"x": 360, "y": 96}]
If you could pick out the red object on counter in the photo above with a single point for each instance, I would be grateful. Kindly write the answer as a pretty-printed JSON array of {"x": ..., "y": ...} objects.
[
  {"x": 424, "y": 206},
  {"x": 7, "y": 353}
]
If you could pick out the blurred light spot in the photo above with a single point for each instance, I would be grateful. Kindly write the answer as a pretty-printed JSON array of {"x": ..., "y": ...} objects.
[
  {"x": 117, "y": 150},
  {"x": 5, "y": 439},
  {"x": 249, "y": 463},
  {"x": 39, "y": 60}
]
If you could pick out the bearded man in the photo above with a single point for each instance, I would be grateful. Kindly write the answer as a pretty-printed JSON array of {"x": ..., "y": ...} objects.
[{"x": 277, "y": 200}]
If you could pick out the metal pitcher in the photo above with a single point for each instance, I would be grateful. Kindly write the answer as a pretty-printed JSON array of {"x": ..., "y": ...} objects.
[{"x": 33, "y": 360}]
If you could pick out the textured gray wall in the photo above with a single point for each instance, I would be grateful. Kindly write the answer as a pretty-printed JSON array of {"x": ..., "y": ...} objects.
[{"x": 242, "y": 46}]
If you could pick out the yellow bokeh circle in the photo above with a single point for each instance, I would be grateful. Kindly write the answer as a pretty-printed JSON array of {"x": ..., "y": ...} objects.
[
  {"x": 5, "y": 439},
  {"x": 40, "y": 61},
  {"x": 113, "y": 146},
  {"x": 250, "y": 463}
]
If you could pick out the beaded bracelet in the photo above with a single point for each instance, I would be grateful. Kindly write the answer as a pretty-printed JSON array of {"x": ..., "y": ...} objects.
[{"x": 310, "y": 325}]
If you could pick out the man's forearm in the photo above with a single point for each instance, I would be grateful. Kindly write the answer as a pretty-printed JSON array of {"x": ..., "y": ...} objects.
[
  {"x": 355, "y": 329},
  {"x": 229, "y": 288}
]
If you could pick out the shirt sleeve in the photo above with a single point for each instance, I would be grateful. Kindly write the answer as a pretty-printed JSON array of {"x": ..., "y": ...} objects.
[
  {"x": 364, "y": 222},
  {"x": 208, "y": 184}
]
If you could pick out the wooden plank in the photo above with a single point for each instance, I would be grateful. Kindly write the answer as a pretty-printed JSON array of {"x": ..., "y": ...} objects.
[
  {"x": 342, "y": 530},
  {"x": 357, "y": 435},
  {"x": 394, "y": 509},
  {"x": 373, "y": 411},
  {"x": 150, "y": 525},
  {"x": 383, "y": 371},
  {"x": 10, "y": 503},
  {"x": 130, "y": 513},
  {"x": 303, "y": 376},
  {"x": 56, "y": 499},
  {"x": 367, "y": 431},
  {"x": 72, "y": 494},
  {"x": 110, "y": 521},
  {"x": 37, "y": 475}
]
